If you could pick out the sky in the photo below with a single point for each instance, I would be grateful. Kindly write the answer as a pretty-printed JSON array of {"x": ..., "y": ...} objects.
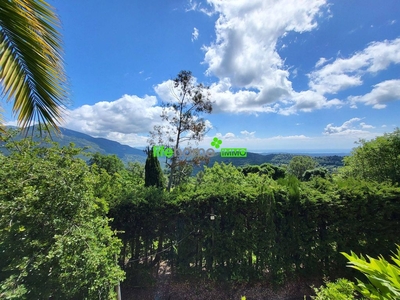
[{"x": 290, "y": 75}]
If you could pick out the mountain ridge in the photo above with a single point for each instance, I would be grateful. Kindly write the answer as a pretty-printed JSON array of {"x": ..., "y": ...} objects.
[{"x": 130, "y": 154}]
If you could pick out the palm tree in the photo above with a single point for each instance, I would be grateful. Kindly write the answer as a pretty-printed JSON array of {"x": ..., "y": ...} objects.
[{"x": 31, "y": 66}]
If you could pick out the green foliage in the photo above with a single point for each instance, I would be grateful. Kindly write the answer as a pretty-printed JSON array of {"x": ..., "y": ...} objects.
[
  {"x": 377, "y": 160},
  {"x": 31, "y": 66},
  {"x": 321, "y": 172},
  {"x": 383, "y": 277},
  {"x": 136, "y": 173},
  {"x": 111, "y": 163},
  {"x": 341, "y": 289},
  {"x": 299, "y": 164},
  {"x": 153, "y": 173},
  {"x": 226, "y": 225},
  {"x": 54, "y": 238},
  {"x": 272, "y": 171}
]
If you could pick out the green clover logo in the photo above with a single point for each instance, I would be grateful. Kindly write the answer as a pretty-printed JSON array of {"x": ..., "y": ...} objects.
[{"x": 216, "y": 142}]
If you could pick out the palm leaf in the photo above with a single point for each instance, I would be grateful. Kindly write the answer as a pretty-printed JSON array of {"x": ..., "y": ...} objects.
[{"x": 31, "y": 66}]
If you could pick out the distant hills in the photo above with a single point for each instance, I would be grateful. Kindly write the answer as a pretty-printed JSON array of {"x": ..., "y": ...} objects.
[
  {"x": 130, "y": 154},
  {"x": 93, "y": 145},
  {"x": 330, "y": 162}
]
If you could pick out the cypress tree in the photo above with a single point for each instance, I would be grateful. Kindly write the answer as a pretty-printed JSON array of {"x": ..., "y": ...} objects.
[{"x": 153, "y": 175}]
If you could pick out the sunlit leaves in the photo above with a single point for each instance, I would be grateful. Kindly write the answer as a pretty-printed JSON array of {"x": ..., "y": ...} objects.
[
  {"x": 375, "y": 160},
  {"x": 54, "y": 236},
  {"x": 383, "y": 276},
  {"x": 31, "y": 70}
]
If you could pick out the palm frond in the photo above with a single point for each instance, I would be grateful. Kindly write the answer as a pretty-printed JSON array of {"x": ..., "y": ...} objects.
[{"x": 31, "y": 66}]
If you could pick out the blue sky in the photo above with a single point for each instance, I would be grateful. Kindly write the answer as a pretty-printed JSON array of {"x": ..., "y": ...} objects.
[{"x": 289, "y": 75}]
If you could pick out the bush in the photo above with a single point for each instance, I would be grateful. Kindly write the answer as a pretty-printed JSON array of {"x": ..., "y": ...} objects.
[
  {"x": 383, "y": 277},
  {"x": 341, "y": 289}
]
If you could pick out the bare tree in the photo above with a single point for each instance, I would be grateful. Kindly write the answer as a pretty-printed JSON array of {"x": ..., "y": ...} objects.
[{"x": 183, "y": 117}]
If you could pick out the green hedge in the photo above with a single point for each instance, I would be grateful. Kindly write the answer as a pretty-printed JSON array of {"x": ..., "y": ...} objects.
[{"x": 262, "y": 228}]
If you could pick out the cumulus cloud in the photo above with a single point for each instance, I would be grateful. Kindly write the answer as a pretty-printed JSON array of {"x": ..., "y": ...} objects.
[
  {"x": 226, "y": 99},
  {"x": 247, "y": 133},
  {"x": 381, "y": 94},
  {"x": 168, "y": 93},
  {"x": 348, "y": 128},
  {"x": 252, "y": 76},
  {"x": 195, "y": 34},
  {"x": 308, "y": 101},
  {"x": 127, "y": 120},
  {"x": 244, "y": 55},
  {"x": 229, "y": 135},
  {"x": 366, "y": 126},
  {"x": 347, "y": 72},
  {"x": 290, "y": 137},
  {"x": 122, "y": 120},
  {"x": 165, "y": 90},
  {"x": 321, "y": 62}
]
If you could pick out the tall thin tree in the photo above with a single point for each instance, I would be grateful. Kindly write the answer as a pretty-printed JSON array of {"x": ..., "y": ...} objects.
[
  {"x": 183, "y": 116},
  {"x": 153, "y": 175}
]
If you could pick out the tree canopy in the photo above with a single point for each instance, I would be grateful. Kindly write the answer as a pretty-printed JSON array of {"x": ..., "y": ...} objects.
[
  {"x": 54, "y": 235},
  {"x": 377, "y": 159},
  {"x": 299, "y": 164}
]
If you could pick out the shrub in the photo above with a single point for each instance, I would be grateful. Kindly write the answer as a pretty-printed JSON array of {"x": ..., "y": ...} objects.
[
  {"x": 341, "y": 289},
  {"x": 383, "y": 277}
]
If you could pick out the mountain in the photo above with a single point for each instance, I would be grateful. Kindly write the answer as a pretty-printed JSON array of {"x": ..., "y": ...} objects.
[
  {"x": 128, "y": 154},
  {"x": 104, "y": 146},
  {"x": 93, "y": 145}
]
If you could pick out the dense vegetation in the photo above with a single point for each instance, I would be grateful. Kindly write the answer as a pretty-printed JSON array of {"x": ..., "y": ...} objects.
[
  {"x": 54, "y": 233},
  {"x": 248, "y": 224}
]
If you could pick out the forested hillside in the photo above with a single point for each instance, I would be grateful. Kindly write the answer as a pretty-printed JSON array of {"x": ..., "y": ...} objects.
[{"x": 129, "y": 154}]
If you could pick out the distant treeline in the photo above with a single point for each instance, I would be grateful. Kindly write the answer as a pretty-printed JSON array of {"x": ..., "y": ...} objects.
[{"x": 329, "y": 162}]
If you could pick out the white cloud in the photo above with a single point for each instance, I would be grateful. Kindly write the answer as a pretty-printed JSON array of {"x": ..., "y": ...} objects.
[
  {"x": 321, "y": 62},
  {"x": 244, "y": 55},
  {"x": 229, "y": 135},
  {"x": 381, "y": 94},
  {"x": 195, "y": 34},
  {"x": 11, "y": 123},
  {"x": 347, "y": 72},
  {"x": 197, "y": 6},
  {"x": 366, "y": 126},
  {"x": 349, "y": 128},
  {"x": 164, "y": 91},
  {"x": 249, "y": 101},
  {"x": 167, "y": 92},
  {"x": 308, "y": 101},
  {"x": 248, "y": 134},
  {"x": 227, "y": 100},
  {"x": 122, "y": 120},
  {"x": 290, "y": 137}
]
